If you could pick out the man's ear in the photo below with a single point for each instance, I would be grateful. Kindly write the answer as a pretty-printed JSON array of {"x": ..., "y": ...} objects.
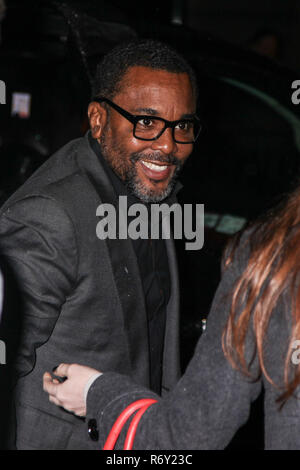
[{"x": 97, "y": 115}]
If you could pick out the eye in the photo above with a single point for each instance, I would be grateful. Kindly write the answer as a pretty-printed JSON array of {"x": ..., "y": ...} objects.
[
  {"x": 184, "y": 125},
  {"x": 146, "y": 122}
]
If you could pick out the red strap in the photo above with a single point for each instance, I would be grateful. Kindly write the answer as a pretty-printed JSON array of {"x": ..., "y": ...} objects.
[
  {"x": 122, "y": 419},
  {"x": 133, "y": 426}
]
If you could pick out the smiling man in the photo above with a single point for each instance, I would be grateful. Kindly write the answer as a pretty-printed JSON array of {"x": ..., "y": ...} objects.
[
  {"x": 110, "y": 302},
  {"x": 147, "y": 144}
]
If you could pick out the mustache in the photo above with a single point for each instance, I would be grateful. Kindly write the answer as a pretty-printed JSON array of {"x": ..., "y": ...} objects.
[{"x": 155, "y": 157}]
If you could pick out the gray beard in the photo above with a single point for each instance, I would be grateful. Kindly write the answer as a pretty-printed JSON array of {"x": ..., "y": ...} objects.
[
  {"x": 135, "y": 186},
  {"x": 129, "y": 174}
]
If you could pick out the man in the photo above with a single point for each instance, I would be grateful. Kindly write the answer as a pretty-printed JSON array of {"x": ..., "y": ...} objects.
[{"x": 95, "y": 301}]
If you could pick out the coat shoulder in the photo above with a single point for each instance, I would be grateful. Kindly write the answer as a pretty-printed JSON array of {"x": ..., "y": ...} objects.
[{"x": 61, "y": 179}]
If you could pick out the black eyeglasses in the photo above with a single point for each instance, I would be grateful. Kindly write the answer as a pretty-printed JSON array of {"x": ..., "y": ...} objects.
[{"x": 146, "y": 127}]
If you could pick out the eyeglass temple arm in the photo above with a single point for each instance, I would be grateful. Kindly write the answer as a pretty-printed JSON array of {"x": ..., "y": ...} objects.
[{"x": 122, "y": 111}]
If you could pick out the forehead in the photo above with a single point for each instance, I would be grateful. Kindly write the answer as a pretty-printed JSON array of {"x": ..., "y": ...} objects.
[{"x": 150, "y": 88}]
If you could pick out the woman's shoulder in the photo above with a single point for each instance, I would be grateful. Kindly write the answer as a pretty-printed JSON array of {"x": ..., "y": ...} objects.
[{"x": 239, "y": 248}]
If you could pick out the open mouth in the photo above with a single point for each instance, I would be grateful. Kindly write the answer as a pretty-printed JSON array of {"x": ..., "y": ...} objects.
[
  {"x": 154, "y": 166},
  {"x": 155, "y": 171}
]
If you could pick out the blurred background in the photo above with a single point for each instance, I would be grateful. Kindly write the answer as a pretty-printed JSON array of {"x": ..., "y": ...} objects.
[{"x": 246, "y": 55}]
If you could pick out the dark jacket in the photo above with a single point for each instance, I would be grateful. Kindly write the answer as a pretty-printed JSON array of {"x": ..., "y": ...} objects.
[
  {"x": 212, "y": 400},
  {"x": 82, "y": 297}
]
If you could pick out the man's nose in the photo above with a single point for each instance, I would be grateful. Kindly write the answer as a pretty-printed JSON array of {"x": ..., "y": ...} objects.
[{"x": 165, "y": 143}]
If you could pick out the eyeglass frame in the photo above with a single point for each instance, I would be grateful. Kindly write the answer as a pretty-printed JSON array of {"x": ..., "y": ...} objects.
[{"x": 135, "y": 118}]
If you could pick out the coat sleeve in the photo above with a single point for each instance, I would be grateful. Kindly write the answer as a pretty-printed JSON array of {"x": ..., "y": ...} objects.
[
  {"x": 38, "y": 246},
  {"x": 207, "y": 406}
]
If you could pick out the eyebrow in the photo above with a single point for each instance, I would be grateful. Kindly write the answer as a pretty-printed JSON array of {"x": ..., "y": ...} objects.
[
  {"x": 154, "y": 112},
  {"x": 188, "y": 116},
  {"x": 151, "y": 111}
]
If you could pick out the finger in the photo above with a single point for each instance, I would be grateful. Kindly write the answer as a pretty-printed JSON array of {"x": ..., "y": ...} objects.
[
  {"x": 54, "y": 400},
  {"x": 48, "y": 384},
  {"x": 47, "y": 376},
  {"x": 47, "y": 379},
  {"x": 62, "y": 370}
]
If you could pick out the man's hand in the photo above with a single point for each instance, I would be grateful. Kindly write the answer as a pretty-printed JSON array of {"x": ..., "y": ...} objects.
[{"x": 70, "y": 394}]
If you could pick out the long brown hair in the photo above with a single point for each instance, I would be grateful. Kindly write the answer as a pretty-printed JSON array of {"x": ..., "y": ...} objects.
[{"x": 273, "y": 266}]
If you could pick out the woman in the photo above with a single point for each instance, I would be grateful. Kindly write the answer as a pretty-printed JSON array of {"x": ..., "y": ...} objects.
[{"x": 250, "y": 342}]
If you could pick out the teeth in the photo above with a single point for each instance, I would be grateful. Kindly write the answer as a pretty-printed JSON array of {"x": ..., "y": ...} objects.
[{"x": 154, "y": 167}]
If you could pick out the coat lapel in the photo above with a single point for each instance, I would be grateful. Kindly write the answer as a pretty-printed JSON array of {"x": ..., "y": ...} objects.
[
  {"x": 124, "y": 267},
  {"x": 171, "y": 357}
]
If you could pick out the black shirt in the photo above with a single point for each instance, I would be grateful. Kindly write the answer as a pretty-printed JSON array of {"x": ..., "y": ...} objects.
[{"x": 154, "y": 270}]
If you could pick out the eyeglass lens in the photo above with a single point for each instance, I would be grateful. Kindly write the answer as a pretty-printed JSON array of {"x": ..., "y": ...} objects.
[{"x": 150, "y": 128}]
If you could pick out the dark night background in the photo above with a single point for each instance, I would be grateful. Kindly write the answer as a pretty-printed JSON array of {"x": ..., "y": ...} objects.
[{"x": 246, "y": 55}]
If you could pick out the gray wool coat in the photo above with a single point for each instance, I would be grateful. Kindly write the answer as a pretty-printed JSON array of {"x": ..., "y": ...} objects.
[
  {"x": 81, "y": 297},
  {"x": 212, "y": 400}
]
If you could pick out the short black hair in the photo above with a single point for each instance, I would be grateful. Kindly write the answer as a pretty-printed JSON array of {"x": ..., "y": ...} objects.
[{"x": 146, "y": 53}]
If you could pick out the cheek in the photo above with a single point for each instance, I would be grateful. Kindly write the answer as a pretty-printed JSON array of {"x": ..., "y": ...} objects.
[
  {"x": 184, "y": 152},
  {"x": 133, "y": 145}
]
